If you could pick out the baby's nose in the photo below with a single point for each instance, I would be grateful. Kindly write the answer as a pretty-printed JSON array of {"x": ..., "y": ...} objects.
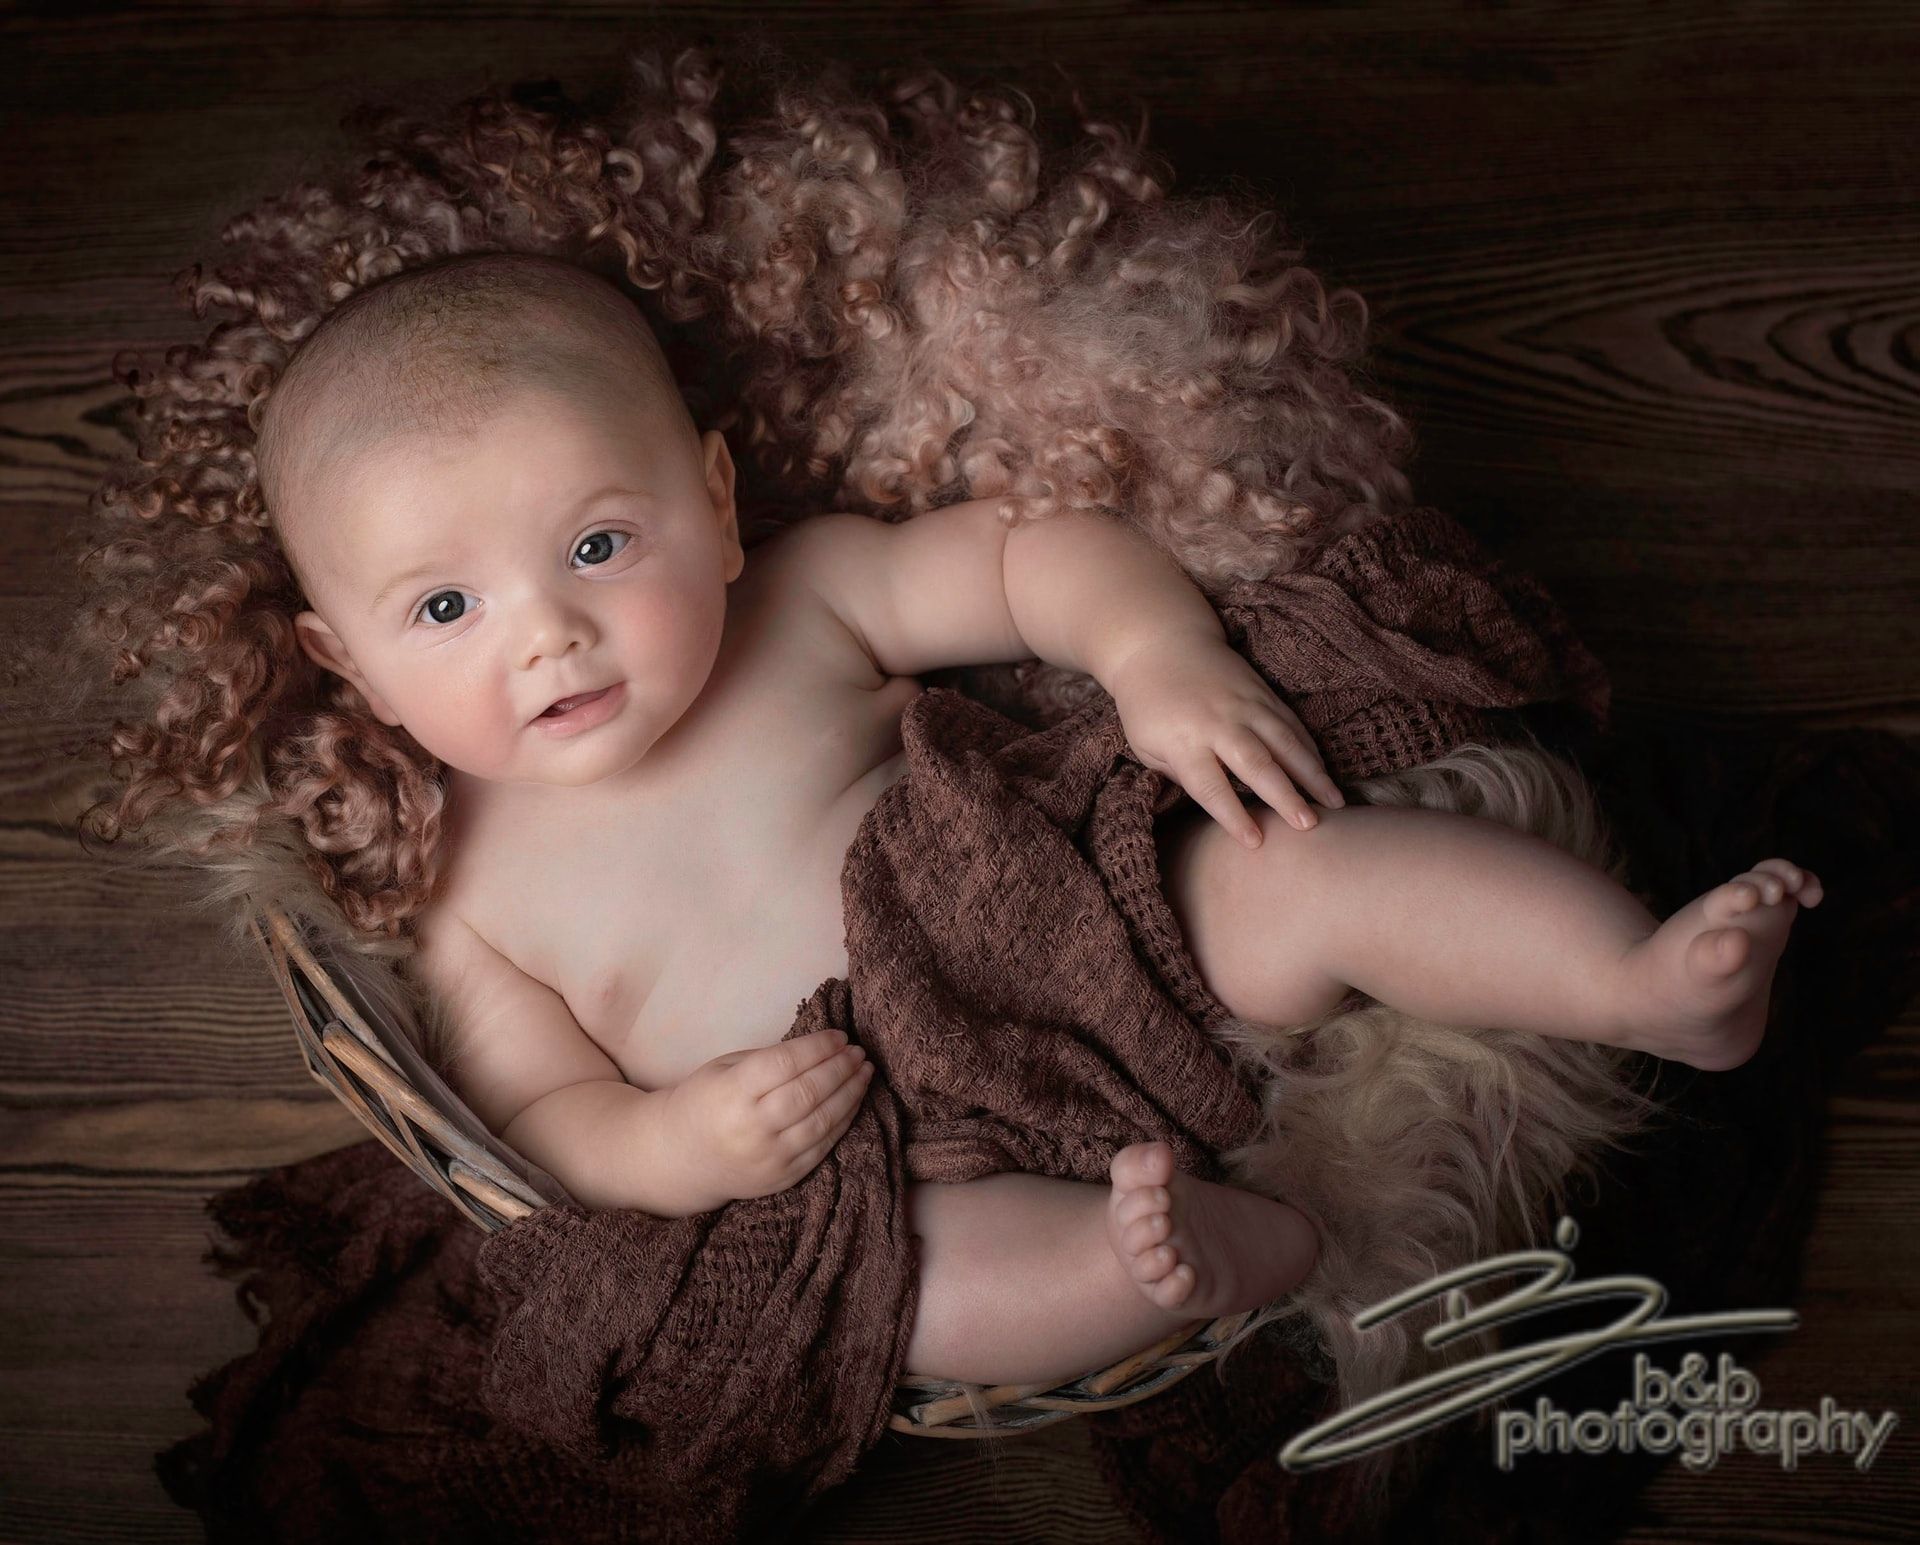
[{"x": 552, "y": 629}]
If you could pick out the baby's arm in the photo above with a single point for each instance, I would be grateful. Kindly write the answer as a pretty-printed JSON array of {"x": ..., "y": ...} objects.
[
  {"x": 744, "y": 1124},
  {"x": 955, "y": 586},
  {"x": 524, "y": 1066}
]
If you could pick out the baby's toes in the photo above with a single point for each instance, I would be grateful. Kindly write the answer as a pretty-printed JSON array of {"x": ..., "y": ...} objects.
[
  {"x": 1789, "y": 874},
  {"x": 1141, "y": 1164},
  {"x": 1131, "y": 1207},
  {"x": 1801, "y": 884},
  {"x": 1717, "y": 952},
  {"x": 1174, "y": 1289},
  {"x": 1154, "y": 1266},
  {"x": 1726, "y": 902},
  {"x": 1145, "y": 1232}
]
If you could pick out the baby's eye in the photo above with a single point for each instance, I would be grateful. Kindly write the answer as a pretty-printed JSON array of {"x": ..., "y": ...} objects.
[
  {"x": 431, "y": 606},
  {"x": 593, "y": 541}
]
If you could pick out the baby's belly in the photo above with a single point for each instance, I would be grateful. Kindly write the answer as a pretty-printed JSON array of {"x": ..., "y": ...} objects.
[{"x": 739, "y": 977}]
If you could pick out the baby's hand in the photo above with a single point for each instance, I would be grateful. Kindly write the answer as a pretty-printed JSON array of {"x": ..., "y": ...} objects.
[
  {"x": 757, "y": 1121},
  {"x": 1190, "y": 705}
]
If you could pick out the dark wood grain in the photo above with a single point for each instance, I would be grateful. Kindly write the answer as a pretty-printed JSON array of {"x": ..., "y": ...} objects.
[{"x": 1645, "y": 277}]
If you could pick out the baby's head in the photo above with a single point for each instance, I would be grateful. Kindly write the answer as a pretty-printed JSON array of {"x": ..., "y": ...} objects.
[{"x": 493, "y": 496}]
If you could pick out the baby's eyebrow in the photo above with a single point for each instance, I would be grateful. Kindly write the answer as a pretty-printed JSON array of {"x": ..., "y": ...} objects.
[
  {"x": 418, "y": 571},
  {"x": 421, "y": 570}
]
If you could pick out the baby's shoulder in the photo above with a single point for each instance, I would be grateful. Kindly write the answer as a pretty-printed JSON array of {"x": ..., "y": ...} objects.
[
  {"x": 443, "y": 941},
  {"x": 793, "y": 562},
  {"x": 482, "y": 855},
  {"x": 800, "y": 579},
  {"x": 462, "y": 915}
]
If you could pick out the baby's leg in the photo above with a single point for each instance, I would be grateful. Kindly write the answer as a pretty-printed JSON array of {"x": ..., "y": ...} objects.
[
  {"x": 1466, "y": 921},
  {"x": 1026, "y": 1279}
]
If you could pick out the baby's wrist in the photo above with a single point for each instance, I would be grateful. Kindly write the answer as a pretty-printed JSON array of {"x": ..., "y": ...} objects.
[{"x": 673, "y": 1160}]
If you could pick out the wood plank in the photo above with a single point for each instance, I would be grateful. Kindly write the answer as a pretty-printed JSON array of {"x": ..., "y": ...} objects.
[
  {"x": 170, "y": 1140},
  {"x": 92, "y": 1483}
]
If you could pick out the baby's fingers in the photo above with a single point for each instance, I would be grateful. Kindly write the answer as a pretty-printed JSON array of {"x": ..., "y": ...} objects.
[
  {"x": 824, "y": 1125},
  {"x": 1207, "y": 784},
  {"x": 769, "y": 1068},
  {"x": 807, "y": 1092},
  {"x": 1259, "y": 770},
  {"x": 1287, "y": 738}
]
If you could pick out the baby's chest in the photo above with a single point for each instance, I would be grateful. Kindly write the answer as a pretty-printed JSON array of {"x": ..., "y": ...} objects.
[
  {"x": 699, "y": 929},
  {"x": 678, "y": 965}
]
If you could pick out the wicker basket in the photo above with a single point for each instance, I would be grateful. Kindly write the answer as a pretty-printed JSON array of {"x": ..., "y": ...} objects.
[{"x": 384, "y": 1081}]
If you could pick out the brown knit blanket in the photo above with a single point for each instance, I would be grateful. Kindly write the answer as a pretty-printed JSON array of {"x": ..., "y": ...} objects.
[{"x": 1017, "y": 979}]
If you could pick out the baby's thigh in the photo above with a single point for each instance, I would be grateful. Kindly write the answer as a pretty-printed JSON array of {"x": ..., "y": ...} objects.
[{"x": 1255, "y": 947}]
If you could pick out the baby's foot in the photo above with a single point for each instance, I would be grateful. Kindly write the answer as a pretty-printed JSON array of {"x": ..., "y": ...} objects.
[
  {"x": 1197, "y": 1247},
  {"x": 1699, "y": 987}
]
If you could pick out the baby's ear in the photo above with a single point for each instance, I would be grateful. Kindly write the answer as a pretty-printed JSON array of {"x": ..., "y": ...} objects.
[
  {"x": 720, "y": 480},
  {"x": 323, "y": 646}
]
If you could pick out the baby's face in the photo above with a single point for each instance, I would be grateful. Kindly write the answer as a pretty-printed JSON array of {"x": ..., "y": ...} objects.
[{"x": 466, "y": 586}]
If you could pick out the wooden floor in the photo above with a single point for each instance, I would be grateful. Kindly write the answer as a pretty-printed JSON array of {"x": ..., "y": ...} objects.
[{"x": 1646, "y": 276}]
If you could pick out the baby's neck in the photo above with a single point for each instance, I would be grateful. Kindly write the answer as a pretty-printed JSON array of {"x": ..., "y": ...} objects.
[{"x": 471, "y": 793}]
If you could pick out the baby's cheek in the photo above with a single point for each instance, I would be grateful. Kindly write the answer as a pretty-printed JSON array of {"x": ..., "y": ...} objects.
[
  {"x": 457, "y": 747},
  {"x": 465, "y": 727},
  {"x": 479, "y": 753}
]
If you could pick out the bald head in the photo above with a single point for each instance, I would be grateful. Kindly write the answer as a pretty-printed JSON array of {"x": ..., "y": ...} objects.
[{"x": 434, "y": 353}]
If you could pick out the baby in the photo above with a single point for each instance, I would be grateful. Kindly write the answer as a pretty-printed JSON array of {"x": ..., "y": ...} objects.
[{"x": 518, "y": 546}]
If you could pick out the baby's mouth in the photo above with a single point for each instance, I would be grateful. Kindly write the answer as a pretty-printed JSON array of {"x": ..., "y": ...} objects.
[{"x": 568, "y": 704}]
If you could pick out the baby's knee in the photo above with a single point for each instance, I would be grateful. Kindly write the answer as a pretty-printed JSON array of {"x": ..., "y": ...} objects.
[{"x": 1251, "y": 919}]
